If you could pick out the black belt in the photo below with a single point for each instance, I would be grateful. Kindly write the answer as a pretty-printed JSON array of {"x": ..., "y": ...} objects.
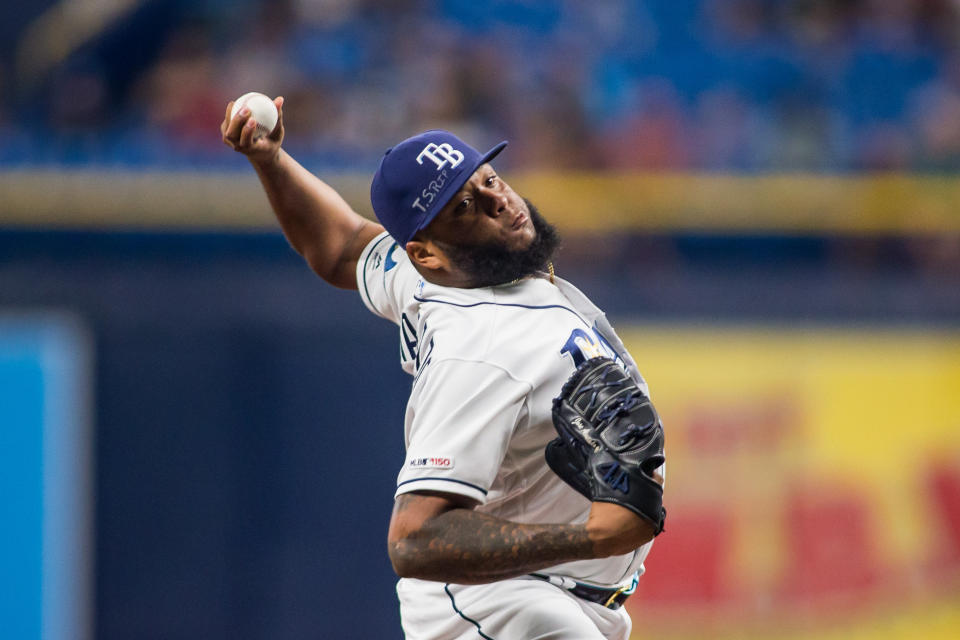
[{"x": 611, "y": 598}]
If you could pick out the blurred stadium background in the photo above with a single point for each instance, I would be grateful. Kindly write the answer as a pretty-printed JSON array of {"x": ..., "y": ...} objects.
[{"x": 200, "y": 439}]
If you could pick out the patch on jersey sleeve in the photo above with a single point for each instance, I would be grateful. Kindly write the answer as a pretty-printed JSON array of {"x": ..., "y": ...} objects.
[
  {"x": 431, "y": 462},
  {"x": 389, "y": 262}
]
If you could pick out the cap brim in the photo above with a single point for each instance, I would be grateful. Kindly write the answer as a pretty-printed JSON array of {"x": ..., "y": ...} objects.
[
  {"x": 454, "y": 186},
  {"x": 488, "y": 156}
]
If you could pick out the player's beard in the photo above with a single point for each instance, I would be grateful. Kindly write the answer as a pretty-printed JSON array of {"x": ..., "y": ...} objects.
[{"x": 492, "y": 264}]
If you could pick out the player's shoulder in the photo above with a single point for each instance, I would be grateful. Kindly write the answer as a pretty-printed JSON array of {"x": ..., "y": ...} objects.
[
  {"x": 489, "y": 324},
  {"x": 381, "y": 255},
  {"x": 385, "y": 277},
  {"x": 459, "y": 314},
  {"x": 527, "y": 293},
  {"x": 492, "y": 306}
]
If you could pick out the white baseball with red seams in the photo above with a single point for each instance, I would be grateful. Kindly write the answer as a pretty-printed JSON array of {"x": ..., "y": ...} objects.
[{"x": 262, "y": 109}]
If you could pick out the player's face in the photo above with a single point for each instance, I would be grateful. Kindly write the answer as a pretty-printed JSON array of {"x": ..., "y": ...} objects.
[
  {"x": 487, "y": 235},
  {"x": 491, "y": 264},
  {"x": 486, "y": 211}
]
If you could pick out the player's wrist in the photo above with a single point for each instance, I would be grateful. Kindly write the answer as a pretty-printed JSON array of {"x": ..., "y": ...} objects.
[
  {"x": 615, "y": 530},
  {"x": 267, "y": 162}
]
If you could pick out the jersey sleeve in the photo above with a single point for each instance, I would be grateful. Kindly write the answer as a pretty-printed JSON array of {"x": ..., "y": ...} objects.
[
  {"x": 460, "y": 419},
  {"x": 385, "y": 277}
]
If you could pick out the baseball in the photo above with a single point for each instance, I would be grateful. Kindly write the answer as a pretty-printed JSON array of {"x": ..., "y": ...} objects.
[{"x": 262, "y": 110}]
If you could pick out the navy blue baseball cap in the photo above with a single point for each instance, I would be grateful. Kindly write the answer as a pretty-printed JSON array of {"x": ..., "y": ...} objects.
[{"x": 417, "y": 177}]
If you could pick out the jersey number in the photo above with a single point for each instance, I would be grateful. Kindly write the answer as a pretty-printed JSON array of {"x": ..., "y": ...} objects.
[
  {"x": 410, "y": 344},
  {"x": 408, "y": 339}
]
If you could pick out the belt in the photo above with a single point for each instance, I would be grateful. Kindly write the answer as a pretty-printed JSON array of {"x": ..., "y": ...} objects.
[{"x": 609, "y": 597}]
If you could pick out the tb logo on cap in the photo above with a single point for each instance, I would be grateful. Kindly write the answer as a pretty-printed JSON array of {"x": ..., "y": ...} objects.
[{"x": 440, "y": 155}]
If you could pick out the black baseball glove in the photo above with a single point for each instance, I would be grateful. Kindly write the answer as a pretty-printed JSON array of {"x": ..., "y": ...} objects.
[{"x": 611, "y": 440}]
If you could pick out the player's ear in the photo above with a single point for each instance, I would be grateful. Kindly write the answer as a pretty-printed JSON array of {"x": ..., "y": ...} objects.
[{"x": 426, "y": 254}]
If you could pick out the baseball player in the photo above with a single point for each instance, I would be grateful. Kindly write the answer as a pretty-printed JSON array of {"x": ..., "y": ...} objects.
[{"x": 488, "y": 541}]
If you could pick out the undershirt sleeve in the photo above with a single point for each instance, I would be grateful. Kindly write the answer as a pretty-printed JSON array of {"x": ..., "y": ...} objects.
[{"x": 461, "y": 417}]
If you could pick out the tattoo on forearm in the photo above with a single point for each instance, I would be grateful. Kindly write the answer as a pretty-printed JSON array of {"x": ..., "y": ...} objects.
[{"x": 467, "y": 546}]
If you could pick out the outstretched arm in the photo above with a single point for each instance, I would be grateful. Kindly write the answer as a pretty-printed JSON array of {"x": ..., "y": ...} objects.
[
  {"x": 437, "y": 536},
  {"x": 317, "y": 221}
]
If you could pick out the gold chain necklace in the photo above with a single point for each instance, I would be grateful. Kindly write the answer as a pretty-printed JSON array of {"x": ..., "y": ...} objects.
[{"x": 549, "y": 268}]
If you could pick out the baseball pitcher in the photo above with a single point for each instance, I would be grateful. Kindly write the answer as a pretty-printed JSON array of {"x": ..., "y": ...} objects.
[{"x": 531, "y": 489}]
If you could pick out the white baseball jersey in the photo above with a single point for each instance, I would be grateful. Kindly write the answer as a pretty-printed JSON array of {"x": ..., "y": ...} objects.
[{"x": 486, "y": 365}]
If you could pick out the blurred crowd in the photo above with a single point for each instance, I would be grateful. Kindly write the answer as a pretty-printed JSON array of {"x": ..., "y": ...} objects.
[{"x": 727, "y": 85}]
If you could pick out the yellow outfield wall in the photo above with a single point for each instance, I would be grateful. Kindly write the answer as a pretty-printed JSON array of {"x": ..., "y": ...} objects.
[
  {"x": 813, "y": 485},
  {"x": 577, "y": 201}
]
